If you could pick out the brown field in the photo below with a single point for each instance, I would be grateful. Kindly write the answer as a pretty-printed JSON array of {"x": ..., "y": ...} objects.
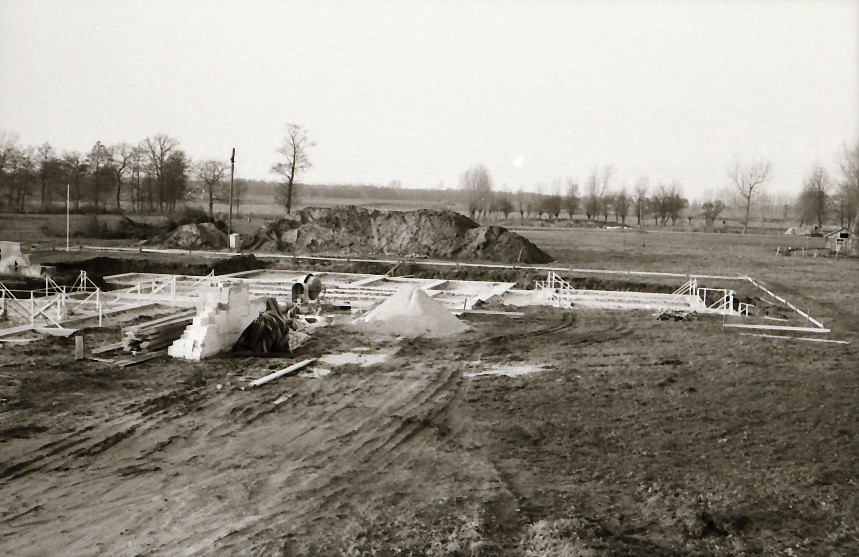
[{"x": 639, "y": 437}]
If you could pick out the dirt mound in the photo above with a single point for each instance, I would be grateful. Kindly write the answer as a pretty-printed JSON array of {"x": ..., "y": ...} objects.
[
  {"x": 428, "y": 233},
  {"x": 411, "y": 313},
  {"x": 196, "y": 236},
  {"x": 128, "y": 229}
]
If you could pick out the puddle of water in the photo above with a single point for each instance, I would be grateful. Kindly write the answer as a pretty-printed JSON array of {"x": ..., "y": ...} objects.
[
  {"x": 509, "y": 371},
  {"x": 364, "y": 360}
]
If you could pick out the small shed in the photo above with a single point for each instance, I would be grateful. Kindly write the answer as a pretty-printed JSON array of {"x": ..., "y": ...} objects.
[{"x": 841, "y": 241}]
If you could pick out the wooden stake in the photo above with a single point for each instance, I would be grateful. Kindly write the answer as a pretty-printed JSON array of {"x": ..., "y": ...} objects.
[
  {"x": 282, "y": 372},
  {"x": 79, "y": 347}
]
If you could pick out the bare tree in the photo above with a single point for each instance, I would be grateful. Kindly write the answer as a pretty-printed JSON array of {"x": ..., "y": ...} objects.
[
  {"x": 711, "y": 210},
  {"x": 846, "y": 204},
  {"x": 522, "y": 203},
  {"x": 551, "y": 205},
  {"x": 122, "y": 157},
  {"x": 75, "y": 168},
  {"x": 98, "y": 157},
  {"x": 593, "y": 196},
  {"x": 294, "y": 150},
  {"x": 158, "y": 150},
  {"x": 621, "y": 205},
  {"x": 676, "y": 202},
  {"x": 8, "y": 148},
  {"x": 211, "y": 172},
  {"x": 46, "y": 158},
  {"x": 175, "y": 178},
  {"x": 640, "y": 200},
  {"x": 596, "y": 201},
  {"x": 137, "y": 158},
  {"x": 749, "y": 180},
  {"x": 240, "y": 190},
  {"x": 667, "y": 203},
  {"x": 849, "y": 163},
  {"x": 477, "y": 185},
  {"x": 814, "y": 199},
  {"x": 25, "y": 176},
  {"x": 571, "y": 199},
  {"x": 501, "y": 203}
]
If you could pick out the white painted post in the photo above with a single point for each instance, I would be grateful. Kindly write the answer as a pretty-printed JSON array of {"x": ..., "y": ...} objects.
[
  {"x": 98, "y": 304},
  {"x": 68, "y": 199}
]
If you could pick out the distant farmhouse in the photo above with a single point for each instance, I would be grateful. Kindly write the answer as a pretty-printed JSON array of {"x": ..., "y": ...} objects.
[{"x": 842, "y": 242}]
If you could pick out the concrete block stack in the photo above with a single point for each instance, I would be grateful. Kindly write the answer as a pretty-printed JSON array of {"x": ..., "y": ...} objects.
[{"x": 224, "y": 311}]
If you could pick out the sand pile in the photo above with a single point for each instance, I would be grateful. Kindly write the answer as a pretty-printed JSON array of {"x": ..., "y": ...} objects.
[
  {"x": 411, "y": 313},
  {"x": 358, "y": 231},
  {"x": 196, "y": 236}
]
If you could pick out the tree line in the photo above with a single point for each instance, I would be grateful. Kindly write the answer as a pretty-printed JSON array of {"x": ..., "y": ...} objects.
[
  {"x": 155, "y": 174},
  {"x": 823, "y": 198}
]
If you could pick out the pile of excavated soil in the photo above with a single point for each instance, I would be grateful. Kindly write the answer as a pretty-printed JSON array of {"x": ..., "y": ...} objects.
[
  {"x": 429, "y": 233},
  {"x": 203, "y": 235}
]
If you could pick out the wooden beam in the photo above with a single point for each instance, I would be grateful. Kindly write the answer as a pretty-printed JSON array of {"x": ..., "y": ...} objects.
[
  {"x": 284, "y": 398},
  {"x": 282, "y": 372},
  {"x": 141, "y": 358},
  {"x": 785, "y": 302},
  {"x": 787, "y": 337},
  {"x": 778, "y": 328},
  {"x": 108, "y": 348},
  {"x": 491, "y": 312}
]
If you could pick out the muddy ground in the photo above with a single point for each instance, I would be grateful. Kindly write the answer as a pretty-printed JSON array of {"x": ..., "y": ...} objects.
[{"x": 638, "y": 437}]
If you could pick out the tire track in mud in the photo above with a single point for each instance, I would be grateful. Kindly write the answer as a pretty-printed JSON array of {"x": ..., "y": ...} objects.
[
  {"x": 94, "y": 439},
  {"x": 366, "y": 448},
  {"x": 393, "y": 433}
]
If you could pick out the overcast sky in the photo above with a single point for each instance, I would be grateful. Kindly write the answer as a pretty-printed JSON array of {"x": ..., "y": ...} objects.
[{"x": 418, "y": 91}]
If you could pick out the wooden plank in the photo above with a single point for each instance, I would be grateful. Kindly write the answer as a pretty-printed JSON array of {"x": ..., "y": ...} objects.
[
  {"x": 16, "y": 330},
  {"x": 55, "y": 331},
  {"x": 785, "y": 302},
  {"x": 141, "y": 358},
  {"x": 284, "y": 398},
  {"x": 160, "y": 320},
  {"x": 282, "y": 372},
  {"x": 492, "y": 312},
  {"x": 778, "y": 328},
  {"x": 807, "y": 339},
  {"x": 18, "y": 340}
]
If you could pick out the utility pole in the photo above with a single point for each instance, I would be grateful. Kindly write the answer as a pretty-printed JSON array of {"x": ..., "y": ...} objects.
[
  {"x": 68, "y": 203},
  {"x": 232, "y": 172},
  {"x": 97, "y": 153}
]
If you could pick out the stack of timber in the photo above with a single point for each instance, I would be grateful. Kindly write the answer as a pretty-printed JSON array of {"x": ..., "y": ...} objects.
[{"x": 157, "y": 334}]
